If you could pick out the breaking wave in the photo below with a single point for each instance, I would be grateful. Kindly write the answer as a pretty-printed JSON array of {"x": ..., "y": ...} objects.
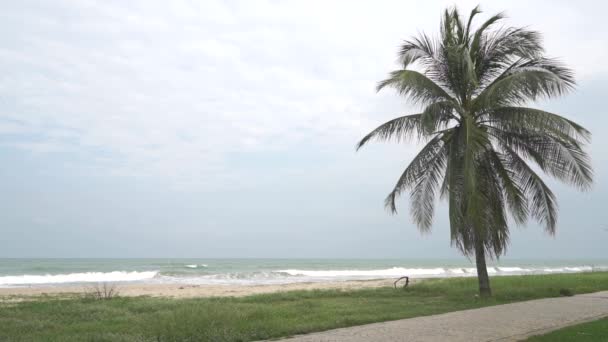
[
  {"x": 200, "y": 274},
  {"x": 429, "y": 272},
  {"x": 196, "y": 266},
  {"x": 87, "y": 277},
  {"x": 388, "y": 272}
]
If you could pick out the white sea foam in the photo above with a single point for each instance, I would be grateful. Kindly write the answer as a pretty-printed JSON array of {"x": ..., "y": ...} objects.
[
  {"x": 426, "y": 272},
  {"x": 388, "y": 272},
  {"x": 87, "y": 277},
  {"x": 579, "y": 269},
  {"x": 513, "y": 269},
  {"x": 280, "y": 276},
  {"x": 234, "y": 278},
  {"x": 456, "y": 271}
]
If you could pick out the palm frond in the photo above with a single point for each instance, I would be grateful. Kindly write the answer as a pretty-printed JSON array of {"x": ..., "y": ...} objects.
[
  {"x": 415, "y": 86},
  {"x": 493, "y": 228},
  {"x": 526, "y": 81},
  {"x": 562, "y": 158},
  {"x": 538, "y": 120},
  {"x": 421, "y": 48},
  {"x": 480, "y": 34},
  {"x": 498, "y": 50},
  {"x": 423, "y": 193},
  {"x": 474, "y": 12},
  {"x": 431, "y": 154},
  {"x": 398, "y": 129},
  {"x": 543, "y": 206},
  {"x": 513, "y": 193}
]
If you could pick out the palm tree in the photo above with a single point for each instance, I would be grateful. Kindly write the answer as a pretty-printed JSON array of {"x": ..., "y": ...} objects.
[{"x": 479, "y": 136}]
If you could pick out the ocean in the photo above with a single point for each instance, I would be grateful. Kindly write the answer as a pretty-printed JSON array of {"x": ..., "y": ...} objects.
[{"x": 60, "y": 272}]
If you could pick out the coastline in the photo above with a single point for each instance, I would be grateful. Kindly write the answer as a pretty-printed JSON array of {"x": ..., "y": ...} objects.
[
  {"x": 265, "y": 317},
  {"x": 191, "y": 291}
]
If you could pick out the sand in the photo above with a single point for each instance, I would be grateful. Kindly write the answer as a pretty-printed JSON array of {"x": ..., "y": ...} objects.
[{"x": 189, "y": 291}]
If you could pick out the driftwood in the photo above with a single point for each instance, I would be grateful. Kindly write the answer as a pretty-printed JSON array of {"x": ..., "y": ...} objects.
[{"x": 407, "y": 281}]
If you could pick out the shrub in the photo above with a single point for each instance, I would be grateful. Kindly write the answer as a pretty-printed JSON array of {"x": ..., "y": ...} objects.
[{"x": 103, "y": 291}]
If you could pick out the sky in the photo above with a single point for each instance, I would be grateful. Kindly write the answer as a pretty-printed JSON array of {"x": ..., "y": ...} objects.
[{"x": 227, "y": 128}]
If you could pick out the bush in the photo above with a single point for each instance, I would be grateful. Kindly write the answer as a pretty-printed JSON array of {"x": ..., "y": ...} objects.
[
  {"x": 566, "y": 292},
  {"x": 103, "y": 291}
]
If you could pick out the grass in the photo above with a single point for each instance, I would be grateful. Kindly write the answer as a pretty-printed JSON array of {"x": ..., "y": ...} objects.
[
  {"x": 595, "y": 331},
  {"x": 265, "y": 316}
]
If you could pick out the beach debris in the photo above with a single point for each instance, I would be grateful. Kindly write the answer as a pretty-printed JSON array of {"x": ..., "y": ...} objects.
[{"x": 407, "y": 281}]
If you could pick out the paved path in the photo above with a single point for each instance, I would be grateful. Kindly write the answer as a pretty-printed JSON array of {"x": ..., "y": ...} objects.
[{"x": 509, "y": 322}]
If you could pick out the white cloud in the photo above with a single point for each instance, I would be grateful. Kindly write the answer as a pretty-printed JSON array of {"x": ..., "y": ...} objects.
[{"x": 172, "y": 88}]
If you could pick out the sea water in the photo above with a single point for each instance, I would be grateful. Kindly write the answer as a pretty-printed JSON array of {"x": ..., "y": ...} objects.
[{"x": 58, "y": 272}]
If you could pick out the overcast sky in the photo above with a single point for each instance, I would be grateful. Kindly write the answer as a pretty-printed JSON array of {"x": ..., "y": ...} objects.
[{"x": 227, "y": 128}]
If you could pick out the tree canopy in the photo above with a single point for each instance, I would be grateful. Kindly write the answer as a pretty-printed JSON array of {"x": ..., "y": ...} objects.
[{"x": 484, "y": 145}]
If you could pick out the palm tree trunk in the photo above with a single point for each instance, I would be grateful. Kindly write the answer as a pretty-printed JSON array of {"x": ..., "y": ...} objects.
[{"x": 482, "y": 270}]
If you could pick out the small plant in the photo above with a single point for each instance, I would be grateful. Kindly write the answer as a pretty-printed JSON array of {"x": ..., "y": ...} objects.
[
  {"x": 102, "y": 291},
  {"x": 566, "y": 292}
]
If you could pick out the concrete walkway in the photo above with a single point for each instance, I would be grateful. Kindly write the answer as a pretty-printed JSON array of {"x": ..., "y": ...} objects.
[{"x": 509, "y": 322}]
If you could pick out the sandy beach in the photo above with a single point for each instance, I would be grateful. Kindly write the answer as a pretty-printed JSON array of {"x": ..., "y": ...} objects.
[{"x": 189, "y": 291}]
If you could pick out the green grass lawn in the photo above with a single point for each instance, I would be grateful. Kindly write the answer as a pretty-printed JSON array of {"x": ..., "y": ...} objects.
[
  {"x": 595, "y": 331},
  {"x": 265, "y": 316}
]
